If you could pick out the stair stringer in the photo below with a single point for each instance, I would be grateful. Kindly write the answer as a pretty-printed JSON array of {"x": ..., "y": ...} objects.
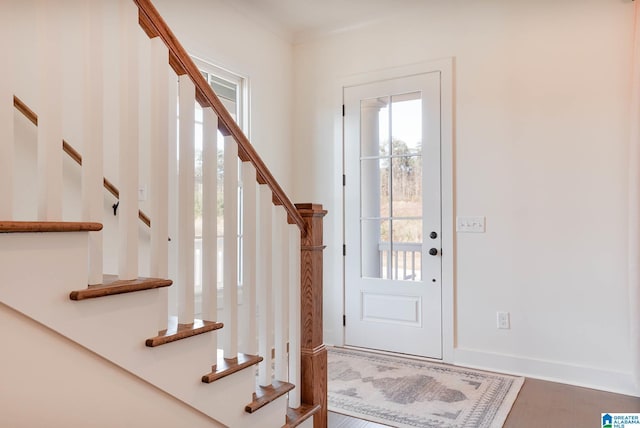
[
  {"x": 40, "y": 269},
  {"x": 50, "y": 381}
]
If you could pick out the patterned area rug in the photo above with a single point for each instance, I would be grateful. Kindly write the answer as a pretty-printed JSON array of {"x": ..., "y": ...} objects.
[{"x": 402, "y": 392}]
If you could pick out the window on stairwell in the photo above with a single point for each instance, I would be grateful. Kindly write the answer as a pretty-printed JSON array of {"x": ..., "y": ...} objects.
[{"x": 232, "y": 91}]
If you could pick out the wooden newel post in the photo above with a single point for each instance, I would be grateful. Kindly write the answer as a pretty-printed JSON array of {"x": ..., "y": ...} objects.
[{"x": 313, "y": 352}]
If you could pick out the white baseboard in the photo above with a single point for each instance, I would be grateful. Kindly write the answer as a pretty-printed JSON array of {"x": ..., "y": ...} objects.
[{"x": 588, "y": 377}]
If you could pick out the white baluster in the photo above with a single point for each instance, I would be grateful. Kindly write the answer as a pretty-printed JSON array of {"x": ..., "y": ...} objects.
[
  {"x": 210, "y": 219},
  {"x": 111, "y": 128},
  {"x": 145, "y": 150},
  {"x": 159, "y": 159},
  {"x": 280, "y": 292},
  {"x": 7, "y": 137},
  {"x": 186, "y": 232},
  {"x": 128, "y": 150},
  {"x": 263, "y": 283},
  {"x": 92, "y": 133},
  {"x": 294, "y": 315},
  {"x": 230, "y": 272},
  {"x": 172, "y": 83},
  {"x": 49, "y": 114},
  {"x": 249, "y": 208}
]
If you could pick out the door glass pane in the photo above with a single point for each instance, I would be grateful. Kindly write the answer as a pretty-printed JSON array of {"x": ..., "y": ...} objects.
[
  {"x": 375, "y": 248},
  {"x": 406, "y": 250},
  {"x": 374, "y": 127},
  {"x": 406, "y": 170},
  {"x": 374, "y": 194},
  {"x": 406, "y": 179},
  {"x": 406, "y": 124}
]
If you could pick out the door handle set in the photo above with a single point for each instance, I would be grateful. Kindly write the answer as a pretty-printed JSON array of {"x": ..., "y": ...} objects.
[{"x": 433, "y": 251}]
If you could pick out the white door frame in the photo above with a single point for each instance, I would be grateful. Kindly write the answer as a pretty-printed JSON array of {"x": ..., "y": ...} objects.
[{"x": 446, "y": 67}]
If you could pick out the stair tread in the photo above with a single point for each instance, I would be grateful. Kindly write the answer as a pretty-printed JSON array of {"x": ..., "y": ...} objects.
[
  {"x": 112, "y": 285},
  {"x": 266, "y": 394},
  {"x": 225, "y": 367},
  {"x": 48, "y": 226},
  {"x": 297, "y": 416},
  {"x": 176, "y": 331}
]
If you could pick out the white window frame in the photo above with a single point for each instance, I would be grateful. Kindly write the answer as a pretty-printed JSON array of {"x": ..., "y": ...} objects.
[{"x": 239, "y": 109}]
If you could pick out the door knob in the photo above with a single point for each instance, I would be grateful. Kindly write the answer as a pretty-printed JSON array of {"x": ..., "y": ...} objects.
[{"x": 433, "y": 251}]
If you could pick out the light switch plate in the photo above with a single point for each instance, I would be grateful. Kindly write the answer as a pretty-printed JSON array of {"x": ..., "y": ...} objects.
[
  {"x": 142, "y": 193},
  {"x": 470, "y": 224}
]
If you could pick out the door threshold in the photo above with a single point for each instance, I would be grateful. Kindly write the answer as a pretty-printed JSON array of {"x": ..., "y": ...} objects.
[{"x": 391, "y": 354}]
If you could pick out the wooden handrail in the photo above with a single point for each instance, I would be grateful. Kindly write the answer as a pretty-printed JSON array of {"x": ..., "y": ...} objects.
[
  {"x": 181, "y": 62},
  {"x": 73, "y": 154}
]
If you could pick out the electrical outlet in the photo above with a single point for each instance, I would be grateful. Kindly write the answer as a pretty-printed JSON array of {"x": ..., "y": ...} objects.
[{"x": 503, "y": 320}]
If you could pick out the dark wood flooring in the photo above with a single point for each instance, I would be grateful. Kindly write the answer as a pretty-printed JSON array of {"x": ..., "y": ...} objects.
[{"x": 543, "y": 404}]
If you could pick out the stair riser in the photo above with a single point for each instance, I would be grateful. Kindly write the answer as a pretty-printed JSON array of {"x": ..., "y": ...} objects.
[{"x": 39, "y": 269}]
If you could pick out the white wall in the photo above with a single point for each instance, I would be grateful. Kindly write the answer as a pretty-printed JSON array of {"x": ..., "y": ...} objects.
[
  {"x": 216, "y": 32},
  {"x": 542, "y": 93},
  {"x": 50, "y": 381}
]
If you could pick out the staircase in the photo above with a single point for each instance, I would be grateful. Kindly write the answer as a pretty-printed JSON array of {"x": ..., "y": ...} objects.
[{"x": 246, "y": 350}]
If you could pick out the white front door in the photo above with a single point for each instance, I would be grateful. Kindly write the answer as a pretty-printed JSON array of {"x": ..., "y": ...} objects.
[{"x": 393, "y": 269}]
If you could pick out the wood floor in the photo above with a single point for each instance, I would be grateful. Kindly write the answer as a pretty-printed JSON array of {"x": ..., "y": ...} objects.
[{"x": 542, "y": 404}]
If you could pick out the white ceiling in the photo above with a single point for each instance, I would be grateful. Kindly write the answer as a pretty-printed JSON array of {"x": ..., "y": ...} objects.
[{"x": 303, "y": 18}]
